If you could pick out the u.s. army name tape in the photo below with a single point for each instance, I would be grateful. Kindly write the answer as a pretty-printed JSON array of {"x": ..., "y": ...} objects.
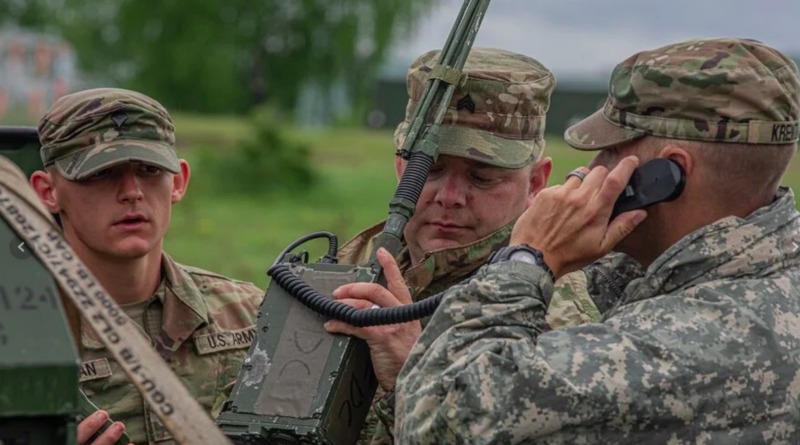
[{"x": 169, "y": 399}]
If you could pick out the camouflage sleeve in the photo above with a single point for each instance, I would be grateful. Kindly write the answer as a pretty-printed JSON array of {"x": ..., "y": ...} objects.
[
  {"x": 583, "y": 296},
  {"x": 571, "y": 304},
  {"x": 483, "y": 372},
  {"x": 382, "y": 432},
  {"x": 461, "y": 372},
  {"x": 682, "y": 367},
  {"x": 385, "y": 410},
  {"x": 608, "y": 276},
  {"x": 377, "y": 429}
]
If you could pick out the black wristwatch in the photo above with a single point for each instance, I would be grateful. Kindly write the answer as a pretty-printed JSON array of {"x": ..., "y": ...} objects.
[{"x": 523, "y": 253}]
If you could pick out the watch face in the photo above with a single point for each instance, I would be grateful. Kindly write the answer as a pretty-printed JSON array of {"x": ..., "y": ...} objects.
[
  {"x": 523, "y": 253},
  {"x": 524, "y": 256}
]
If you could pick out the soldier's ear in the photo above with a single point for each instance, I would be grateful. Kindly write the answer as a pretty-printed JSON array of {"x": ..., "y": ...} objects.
[
  {"x": 680, "y": 155},
  {"x": 180, "y": 181},
  {"x": 43, "y": 184},
  {"x": 540, "y": 173}
]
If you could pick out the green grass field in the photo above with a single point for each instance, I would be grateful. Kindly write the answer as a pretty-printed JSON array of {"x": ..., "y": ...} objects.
[{"x": 240, "y": 236}]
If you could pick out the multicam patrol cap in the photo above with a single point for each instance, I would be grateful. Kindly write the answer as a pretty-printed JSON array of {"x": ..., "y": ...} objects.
[
  {"x": 497, "y": 114},
  {"x": 724, "y": 90},
  {"x": 90, "y": 130}
]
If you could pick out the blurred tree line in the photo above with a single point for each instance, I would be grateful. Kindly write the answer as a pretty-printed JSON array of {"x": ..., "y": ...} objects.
[{"x": 225, "y": 56}]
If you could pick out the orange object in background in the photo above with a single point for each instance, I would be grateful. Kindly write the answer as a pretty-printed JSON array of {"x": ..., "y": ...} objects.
[
  {"x": 35, "y": 103},
  {"x": 60, "y": 88},
  {"x": 35, "y": 70},
  {"x": 3, "y": 103},
  {"x": 43, "y": 57}
]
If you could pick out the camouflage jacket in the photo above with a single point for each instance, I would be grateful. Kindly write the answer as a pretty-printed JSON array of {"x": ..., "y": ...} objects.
[
  {"x": 442, "y": 269},
  {"x": 207, "y": 325},
  {"x": 702, "y": 349}
]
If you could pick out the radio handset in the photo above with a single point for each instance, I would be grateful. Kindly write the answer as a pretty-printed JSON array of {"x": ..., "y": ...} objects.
[{"x": 658, "y": 180}]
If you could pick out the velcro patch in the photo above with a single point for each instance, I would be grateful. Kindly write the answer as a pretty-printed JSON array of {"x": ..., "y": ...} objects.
[
  {"x": 222, "y": 341},
  {"x": 760, "y": 132},
  {"x": 95, "y": 369},
  {"x": 784, "y": 132}
]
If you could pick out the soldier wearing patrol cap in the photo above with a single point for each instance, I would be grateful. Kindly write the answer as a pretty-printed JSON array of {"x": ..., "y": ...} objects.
[
  {"x": 703, "y": 347},
  {"x": 490, "y": 166},
  {"x": 112, "y": 175}
]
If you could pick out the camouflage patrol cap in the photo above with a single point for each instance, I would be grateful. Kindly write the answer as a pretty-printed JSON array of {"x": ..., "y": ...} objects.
[
  {"x": 724, "y": 90},
  {"x": 90, "y": 130},
  {"x": 497, "y": 114}
]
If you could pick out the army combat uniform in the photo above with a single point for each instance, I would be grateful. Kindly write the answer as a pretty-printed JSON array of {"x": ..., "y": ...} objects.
[
  {"x": 576, "y": 301},
  {"x": 702, "y": 349},
  {"x": 201, "y": 323},
  {"x": 496, "y": 117}
]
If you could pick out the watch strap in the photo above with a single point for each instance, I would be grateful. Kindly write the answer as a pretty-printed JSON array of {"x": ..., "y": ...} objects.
[{"x": 505, "y": 253}]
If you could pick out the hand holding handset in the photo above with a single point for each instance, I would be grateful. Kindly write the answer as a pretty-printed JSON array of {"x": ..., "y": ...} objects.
[{"x": 658, "y": 180}]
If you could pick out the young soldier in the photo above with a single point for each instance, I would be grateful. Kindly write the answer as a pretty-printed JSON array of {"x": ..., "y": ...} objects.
[{"x": 112, "y": 175}]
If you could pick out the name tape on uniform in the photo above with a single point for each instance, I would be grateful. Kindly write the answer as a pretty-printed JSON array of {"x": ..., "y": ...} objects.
[{"x": 95, "y": 369}]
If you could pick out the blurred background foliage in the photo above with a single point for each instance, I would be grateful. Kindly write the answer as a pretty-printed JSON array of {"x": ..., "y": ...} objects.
[
  {"x": 231, "y": 73},
  {"x": 225, "y": 56},
  {"x": 263, "y": 161}
]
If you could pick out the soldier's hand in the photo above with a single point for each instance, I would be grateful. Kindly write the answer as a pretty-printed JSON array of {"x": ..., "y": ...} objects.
[
  {"x": 569, "y": 223},
  {"x": 92, "y": 424},
  {"x": 389, "y": 345}
]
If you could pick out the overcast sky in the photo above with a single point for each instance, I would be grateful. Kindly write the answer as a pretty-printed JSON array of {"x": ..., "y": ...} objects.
[{"x": 577, "y": 38}]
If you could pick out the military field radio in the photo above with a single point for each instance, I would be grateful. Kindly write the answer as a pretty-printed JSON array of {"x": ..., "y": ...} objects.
[{"x": 300, "y": 384}]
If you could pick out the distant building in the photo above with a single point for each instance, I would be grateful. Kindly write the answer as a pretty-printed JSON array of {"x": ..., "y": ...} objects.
[{"x": 35, "y": 70}]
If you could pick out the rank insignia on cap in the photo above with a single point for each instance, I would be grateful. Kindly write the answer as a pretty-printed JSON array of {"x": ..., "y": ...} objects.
[
  {"x": 119, "y": 119},
  {"x": 466, "y": 102}
]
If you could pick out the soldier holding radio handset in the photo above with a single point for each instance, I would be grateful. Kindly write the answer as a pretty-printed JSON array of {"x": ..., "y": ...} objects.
[{"x": 696, "y": 350}]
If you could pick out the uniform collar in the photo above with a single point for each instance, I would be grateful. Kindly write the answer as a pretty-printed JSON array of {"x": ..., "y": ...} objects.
[
  {"x": 440, "y": 269},
  {"x": 184, "y": 310},
  {"x": 731, "y": 248}
]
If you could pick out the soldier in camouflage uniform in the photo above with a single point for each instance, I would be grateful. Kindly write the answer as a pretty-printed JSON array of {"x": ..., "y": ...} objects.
[
  {"x": 490, "y": 165},
  {"x": 112, "y": 175},
  {"x": 704, "y": 347}
]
